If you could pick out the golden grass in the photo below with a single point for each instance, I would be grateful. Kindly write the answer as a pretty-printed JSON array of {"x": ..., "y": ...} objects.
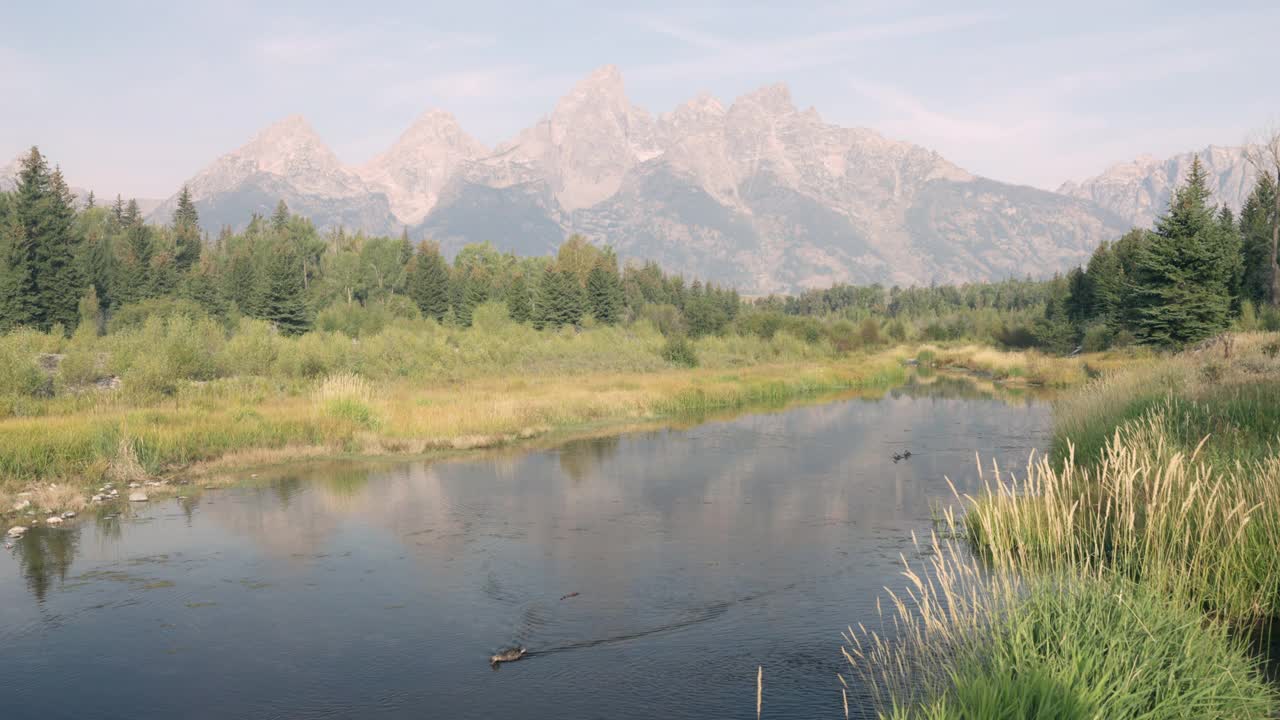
[
  {"x": 1036, "y": 368},
  {"x": 1148, "y": 512},
  {"x": 124, "y": 468},
  {"x": 56, "y": 497},
  {"x": 221, "y": 424},
  {"x": 224, "y": 423}
]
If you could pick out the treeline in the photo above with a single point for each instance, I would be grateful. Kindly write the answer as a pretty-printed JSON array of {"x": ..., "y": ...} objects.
[
  {"x": 1199, "y": 271},
  {"x": 1196, "y": 272},
  {"x": 1193, "y": 275},
  {"x": 61, "y": 264}
]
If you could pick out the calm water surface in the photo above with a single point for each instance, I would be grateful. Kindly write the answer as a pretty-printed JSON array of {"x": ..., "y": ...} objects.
[{"x": 344, "y": 592}]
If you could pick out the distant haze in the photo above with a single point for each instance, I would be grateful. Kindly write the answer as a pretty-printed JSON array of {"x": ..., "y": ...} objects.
[{"x": 135, "y": 97}]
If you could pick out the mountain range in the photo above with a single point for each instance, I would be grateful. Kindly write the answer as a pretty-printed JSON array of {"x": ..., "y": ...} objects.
[
  {"x": 759, "y": 193},
  {"x": 1139, "y": 190}
]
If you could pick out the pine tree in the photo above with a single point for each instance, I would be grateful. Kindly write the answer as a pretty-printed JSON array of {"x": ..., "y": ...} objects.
[
  {"x": 1256, "y": 218},
  {"x": 132, "y": 216},
  {"x": 518, "y": 305},
  {"x": 283, "y": 303},
  {"x": 280, "y": 220},
  {"x": 1183, "y": 273},
  {"x": 464, "y": 293},
  {"x": 117, "y": 212},
  {"x": 241, "y": 284},
  {"x": 133, "y": 277},
  {"x": 561, "y": 300},
  {"x": 573, "y": 304},
  {"x": 201, "y": 286},
  {"x": 90, "y": 202},
  {"x": 1080, "y": 300},
  {"x": 604, "y": 293},
  {"x": 101, "y": 268},
  {"x": 429, "y": 282},
  {"x": 1107, "y": 283},
  {"x": 544, "y": 314},
  {"x": 186, "y": 232},
  {"x": 1233, "y": 256},
  {"x": 17, "y": 275},
  {"x": 1055, "y": 331},
  {"x": 43, "y": 249}
]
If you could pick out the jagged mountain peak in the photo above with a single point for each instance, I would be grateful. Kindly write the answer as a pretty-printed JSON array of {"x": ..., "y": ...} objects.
[
  {"x": 416, "y": 168},
  {"x": 592, "y": 138},
  {"x": 702, "y": 107},
  {"x": 772, "y": 99},
  {"x": 605, "y": 79},
  {"x": 434, "y": 122}
]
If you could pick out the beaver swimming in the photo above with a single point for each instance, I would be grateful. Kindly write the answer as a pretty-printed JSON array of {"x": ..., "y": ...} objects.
[
  {"x": 570, "y": 595},
  {"x": 508, "y": 655}
]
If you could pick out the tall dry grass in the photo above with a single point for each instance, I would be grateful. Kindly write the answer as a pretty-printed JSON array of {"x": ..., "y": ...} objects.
[{"x": 1146, "y": 511}]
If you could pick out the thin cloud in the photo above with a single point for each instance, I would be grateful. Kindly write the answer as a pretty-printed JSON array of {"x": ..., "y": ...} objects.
[{"x": 726, "y": 57}]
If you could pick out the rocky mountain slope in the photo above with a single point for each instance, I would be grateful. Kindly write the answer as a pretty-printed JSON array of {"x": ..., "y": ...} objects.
[
  {"x": 759, "y": 193},
  {"x": 287, "y": 161},
  {"x": 1139, "y": 190}
]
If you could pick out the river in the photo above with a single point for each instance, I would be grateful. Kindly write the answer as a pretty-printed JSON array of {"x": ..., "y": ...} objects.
[{"x": 344, "y": 590}]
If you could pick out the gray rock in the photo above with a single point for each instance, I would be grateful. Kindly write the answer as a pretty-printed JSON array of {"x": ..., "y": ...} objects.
[
  {"x": 21, "y": 505},
  {"x": 17, "y": 531},
  {"x": 53, "y": 520},
  {"x": 137, "y": 497},
  {"x": 68, "y": 515}
]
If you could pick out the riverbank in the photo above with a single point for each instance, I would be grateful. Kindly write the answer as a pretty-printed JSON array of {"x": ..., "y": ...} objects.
[
  {"x": 73, "y": 448},
  {"x": 1161, "y": 499}
]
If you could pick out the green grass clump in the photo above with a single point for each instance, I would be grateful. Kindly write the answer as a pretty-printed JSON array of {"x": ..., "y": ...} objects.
[
  {"x": 1081, "y": 649},
  {"x": 1233, "y": 401},
  {"x": 1205, "y": 532},
  {"x": 967, "y": 642},
  {"x": 679, "y": 352}
]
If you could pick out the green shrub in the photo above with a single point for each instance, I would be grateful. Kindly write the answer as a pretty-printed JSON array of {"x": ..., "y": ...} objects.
[
  {"x": 152, "y": 374},
  {"x": 1097, "y": 337},
  {"x": 353, "y": 411},
  {"x": 252, "y": 349},
  {"x": 869, "y": 332},
  {"x": 20, "y": 374},
  {"x": 1017, "y": 336},
  {"x": 352, "y": 319},
  {"x": 1270, "y": 320},
  {"x": 134, "y": 316},
  {"x": 843, "y": 336},
  {"x": 666, "y": 318},
  {"x": 679, "y": 351}
]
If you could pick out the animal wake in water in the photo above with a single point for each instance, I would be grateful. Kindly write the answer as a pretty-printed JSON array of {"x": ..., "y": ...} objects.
[{"x": 508, "y": 655}]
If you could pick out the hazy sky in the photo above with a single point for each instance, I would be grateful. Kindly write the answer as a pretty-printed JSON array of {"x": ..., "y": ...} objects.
[{"x": 134, "y": 97}]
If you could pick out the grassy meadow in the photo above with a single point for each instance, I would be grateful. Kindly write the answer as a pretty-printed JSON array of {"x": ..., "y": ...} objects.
[
  {"x": 1122, "y": 575},
  {"x": 172, "y": 396}
]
